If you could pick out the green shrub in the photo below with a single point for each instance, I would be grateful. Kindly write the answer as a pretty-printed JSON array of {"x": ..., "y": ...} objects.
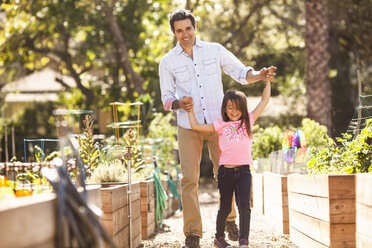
[
  {"x": 351, "y": 157},
  {"x": 162, "y": 138},
  {"x": 265, "y": 141},
  {"x": 315, "y": 133}
]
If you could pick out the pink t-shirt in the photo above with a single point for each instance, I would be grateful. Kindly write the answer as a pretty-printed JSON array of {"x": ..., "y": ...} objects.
[{"x": 235, "y": 143}]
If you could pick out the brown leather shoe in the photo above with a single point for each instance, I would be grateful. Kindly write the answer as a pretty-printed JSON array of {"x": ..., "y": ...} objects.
[
  {"x": 192, "y": 242},
  {"x": 232, "y": 230}
]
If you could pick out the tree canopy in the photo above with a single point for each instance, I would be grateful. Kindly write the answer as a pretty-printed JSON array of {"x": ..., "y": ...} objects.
[{"x": 112, "y": 48}]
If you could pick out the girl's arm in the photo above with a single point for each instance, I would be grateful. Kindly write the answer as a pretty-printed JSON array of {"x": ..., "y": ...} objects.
[
  {"x": 199, "y": 127},
  {"x": 265, "y": 97}
]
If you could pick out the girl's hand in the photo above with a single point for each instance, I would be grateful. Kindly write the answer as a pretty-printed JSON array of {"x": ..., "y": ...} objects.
[
  {"x": 268, "y": 74},
  {"x": 186, "y": 103}
]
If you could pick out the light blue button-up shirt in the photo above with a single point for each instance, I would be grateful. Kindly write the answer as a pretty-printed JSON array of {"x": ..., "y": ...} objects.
[{"x": 199, "y": 78}]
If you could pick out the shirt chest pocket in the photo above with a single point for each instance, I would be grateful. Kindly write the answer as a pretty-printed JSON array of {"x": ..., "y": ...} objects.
[
  {"x": 210, "y": 66},
  {"x": 182, "y": 73}
]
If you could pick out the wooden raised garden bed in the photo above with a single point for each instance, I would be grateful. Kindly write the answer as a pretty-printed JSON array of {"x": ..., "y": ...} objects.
[
  {"x": 30, "y": 221},
  {"x": 322, "y": 210},
  {"x": 115, "y": 217},
  {"x": 257, "y": 195},
  {"x": 147, "y": 208},
  {"x": 363, "y": 210},
  {"x": 276, "y": 201}
]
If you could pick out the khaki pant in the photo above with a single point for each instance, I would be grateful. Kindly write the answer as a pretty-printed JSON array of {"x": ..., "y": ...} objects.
[{"x": 190, "y": 144}]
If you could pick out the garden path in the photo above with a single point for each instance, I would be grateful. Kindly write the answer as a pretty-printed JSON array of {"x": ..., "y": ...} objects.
[{"x": 262, "y": 234}]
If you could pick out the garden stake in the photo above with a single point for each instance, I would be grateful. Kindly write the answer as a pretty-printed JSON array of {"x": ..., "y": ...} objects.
[{"x": 128, "y": 158}]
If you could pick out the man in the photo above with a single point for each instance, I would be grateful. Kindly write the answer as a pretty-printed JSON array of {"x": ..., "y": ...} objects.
[{"x": 193, "y": 68}]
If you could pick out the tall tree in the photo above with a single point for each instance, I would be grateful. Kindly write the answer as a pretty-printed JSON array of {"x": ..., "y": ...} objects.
[{"x": 318, "y": 88}]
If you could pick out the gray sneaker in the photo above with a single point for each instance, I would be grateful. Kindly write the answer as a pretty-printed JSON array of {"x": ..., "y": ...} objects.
[
  {"x": 221, "y": 243},
  {"x": 243, "y": 243}
]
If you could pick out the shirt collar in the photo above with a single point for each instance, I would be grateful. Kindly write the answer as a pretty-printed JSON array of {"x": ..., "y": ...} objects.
[{"x": 198, "y": 43}]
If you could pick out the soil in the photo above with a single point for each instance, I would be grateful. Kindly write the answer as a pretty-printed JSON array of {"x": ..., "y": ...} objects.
[{"x": 262, "y": 234}]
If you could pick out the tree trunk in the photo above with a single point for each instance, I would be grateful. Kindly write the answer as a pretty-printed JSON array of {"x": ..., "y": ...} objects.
[
  {"x": 318, "y": 88},
  {"x": 122, "y": 48}
]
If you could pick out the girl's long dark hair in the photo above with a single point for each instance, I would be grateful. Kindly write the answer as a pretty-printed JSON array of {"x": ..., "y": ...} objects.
[{"x": 240, "y": 101}]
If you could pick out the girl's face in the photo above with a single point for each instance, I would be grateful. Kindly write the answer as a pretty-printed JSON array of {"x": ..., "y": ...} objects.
[{"x": 232, "y": 111}]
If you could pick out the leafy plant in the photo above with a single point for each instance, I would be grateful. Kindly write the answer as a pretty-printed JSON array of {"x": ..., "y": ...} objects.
[
  {"x": 113, "y": 172},
  {"x": 40, "y": 155},
  {"x": 89, "y": 151},
  {"x": 130, "y": 140},
  {"x": 351, "y": 157}
]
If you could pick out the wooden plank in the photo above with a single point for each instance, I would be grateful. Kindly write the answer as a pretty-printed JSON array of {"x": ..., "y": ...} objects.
[
  {"x": 364, "y": 219},
  {"x": 148, "y": 230},
  {"x": 304, "y": 241},
  {"x": 334, "y": 235},
  {"x": 343, "y": 235},
  {"x": 316, "y": 229},
  {"x": 258, "y": 193},
  {"x": 147, "y": 204},
  {"x": 340, "y": 186},
  {"x": 363, "y": 241},
  {"x": 276, "y": 201},
  {"x": 342, "y": 211},
  {"x": 333, "y": 211},
  {"x": 116, "y": 221},
  {"x": 94, "y": 194},
  {"x": 317, "y": 207},
  {"x": 364, "y": 188},
  {"x": 121, "y": 239},
  {"x": 147, "y": 218},
  {"x": 114, "y": 198},
  {"x": 147, "y": 187},
  {"x": 28, "y": 221}
]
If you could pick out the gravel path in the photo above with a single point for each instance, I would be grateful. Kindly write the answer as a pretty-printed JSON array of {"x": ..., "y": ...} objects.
[{"x": 262, "y": 235}]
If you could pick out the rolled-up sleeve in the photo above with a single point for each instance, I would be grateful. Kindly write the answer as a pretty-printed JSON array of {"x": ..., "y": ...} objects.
[
  {"x": 167, "y": 86},
  {"x": 232, "y": 66}
]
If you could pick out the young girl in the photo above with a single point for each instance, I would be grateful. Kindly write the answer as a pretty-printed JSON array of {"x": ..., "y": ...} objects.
[{"x": 235, "y": 141}]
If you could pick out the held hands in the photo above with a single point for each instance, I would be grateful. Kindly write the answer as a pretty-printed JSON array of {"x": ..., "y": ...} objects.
[
  {"x": 268, "y": 74},
  {"x": 186, "y": 103}
]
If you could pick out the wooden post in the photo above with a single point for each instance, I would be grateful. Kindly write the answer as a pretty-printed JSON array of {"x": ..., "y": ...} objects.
[
  {"x": 360, "y": 103},
  {"x": 13, "y": 143},
  {"x": 1, "y": 149},
  {"x": 6, "y": 142}
]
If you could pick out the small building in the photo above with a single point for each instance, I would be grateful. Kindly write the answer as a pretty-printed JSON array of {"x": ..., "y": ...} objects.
[
  {"x": 37, "y": 87},
  {"x": 41, "y": 86}
]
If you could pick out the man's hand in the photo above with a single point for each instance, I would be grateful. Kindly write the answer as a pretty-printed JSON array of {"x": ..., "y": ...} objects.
[
  {"x": 185, "y": 103},
  {"x": 268, "y": 74}
]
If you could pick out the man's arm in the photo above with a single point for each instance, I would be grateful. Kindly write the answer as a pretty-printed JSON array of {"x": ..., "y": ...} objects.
[{"x": 264, "y": 74}]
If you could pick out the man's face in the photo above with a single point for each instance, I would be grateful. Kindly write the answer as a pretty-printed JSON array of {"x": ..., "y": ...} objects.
[{"x": 185, "y": 33}]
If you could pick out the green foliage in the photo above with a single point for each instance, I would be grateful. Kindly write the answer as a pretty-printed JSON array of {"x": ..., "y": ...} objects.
[
  {"x": 88, "y": 151},
  {"x": 40, "y": 155},
  {"x": 265, "y": 141},
  {"x": 162, "y": 131},
  {"x": 314, "y": 132},
  {"x": 352, "y": 157}
]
